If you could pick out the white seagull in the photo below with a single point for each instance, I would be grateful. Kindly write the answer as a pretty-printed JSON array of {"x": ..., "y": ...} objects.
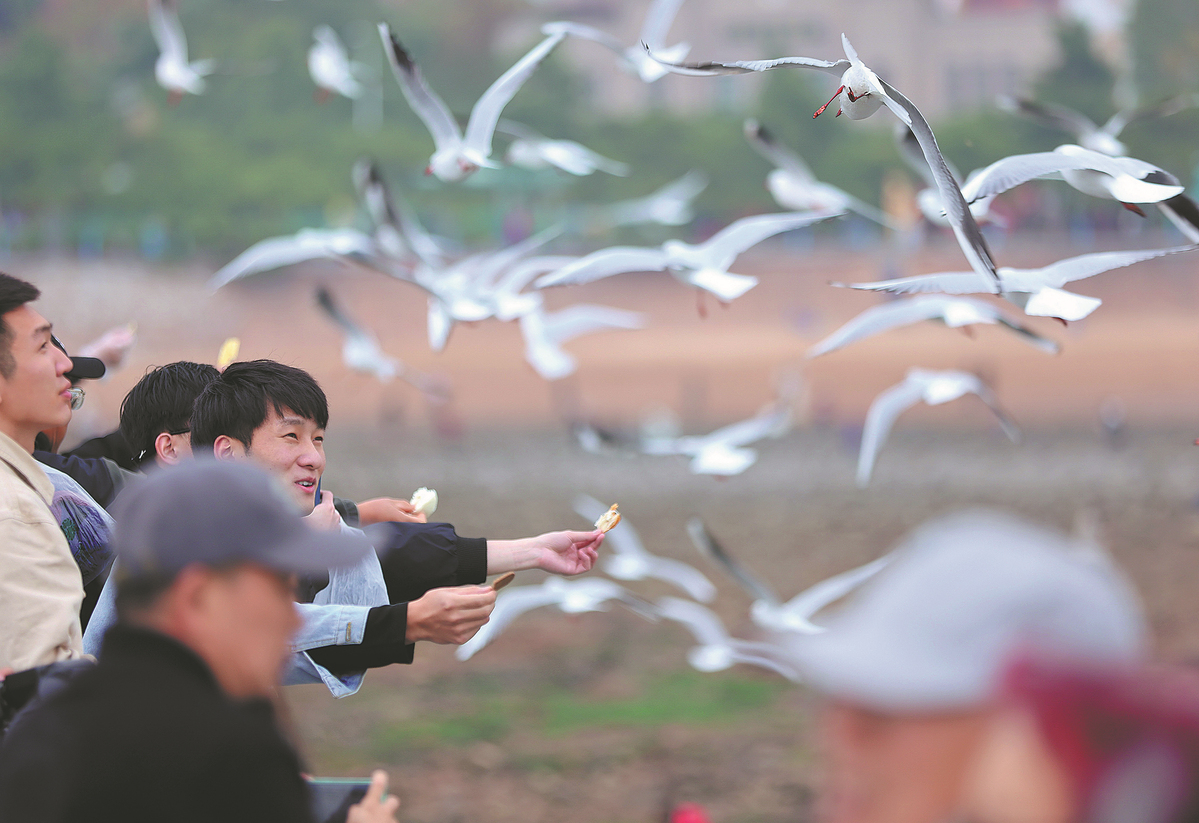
[
  {"x": 929, "y": 199},
  {"x": 592, "y": 594},
  {"x": 658, "y": 19},
  {"x": 1124, "y": 179},
  {"x": 955, "y": 312},
  {"x": 457, "y": 155},
  {"x": 331, "y": 68},
  {"x": 534, "y": 151},
  {"x": 793, "y": 185},
  {"x": 1038, "y": 291},
  {"x": 934, "y": 388},
  {"x": 172, "y": 69},
  {"x": 724, "y": 452},
  {"x": 626, "y": 557},
  {"x": 768, "y": 610},
  {"x": 670, "y": 205},
  {"x": 716, "y": 650},
  {"x": 545, "y": 332},
  {"x": 865, "y": 92},
  {"x": 360, "y": 351},
  {"x": 705, "y": 266},
  {"x": 398, "y": 232}
]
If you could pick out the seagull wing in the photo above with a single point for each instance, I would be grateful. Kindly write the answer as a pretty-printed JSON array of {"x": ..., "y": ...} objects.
[
  {"x": 722, "y": 248},
  {"x": 880, "y": 319},
  {"x": 669, "y": 205},
  {"x": 1052, "y": 115},
  {"x": 575, "y": 321},
  {"x": 1088, "y": 265},
  {"x": 524, "y": 272},
  {"x": 701, "y": 621},
  {"x": 167, "y": 31},
  {"x": 684, "y": 575},
  {"x": 774, "y": 421},
  {"x": 509, "y": 605},
  {"x": 584, "y": 32},
  {"x": 1183, "y": 212},
  {"x": 836, "y": 67},
  {"x": 1005, "y": 420},
  {"x": 1010, "y": 172},
  {"x": 953, "y": 282},
  {"x": 1166, "y": 108},
  {"x": 710, "y": 548},
  {"x": 486, "y": 113},
  {"x": 605, "y": 263},
  {"x": 765, "y": 144},
  {"x": 430, "y": 108},
  {"x": 816, "y": 597},
  {"x": 659, "y": 17},
  {"x": 276, "y": 252},
  {"x": 334, "y": 312},
  {"x": 885, "y": 409},
  {"x": 968, "y": 234}
]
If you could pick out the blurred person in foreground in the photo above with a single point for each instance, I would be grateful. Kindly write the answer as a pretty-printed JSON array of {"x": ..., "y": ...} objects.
[
  {"x": 428, "y": 586},
  {"x": 912, "y": 669},
  {"x": 175, "y": 721},
  {"x": 40, "y": 585},
  {"x": 1089, "y": 745}
]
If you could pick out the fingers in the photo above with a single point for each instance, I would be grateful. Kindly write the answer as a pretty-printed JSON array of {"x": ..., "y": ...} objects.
[{"x": 378, "y": 787}]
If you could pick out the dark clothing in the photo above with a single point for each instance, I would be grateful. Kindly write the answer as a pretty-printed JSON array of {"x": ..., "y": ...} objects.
[
  {"x": 145, "y": 736},
  {"x": 348, "y": 510},
  {"x": 99, "y": 476},
  {"x": 415, "y": 557},
  {"x": 112, "y": 446}
]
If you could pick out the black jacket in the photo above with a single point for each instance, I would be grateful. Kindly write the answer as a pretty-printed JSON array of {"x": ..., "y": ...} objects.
[{"x": 146, "y": 736}]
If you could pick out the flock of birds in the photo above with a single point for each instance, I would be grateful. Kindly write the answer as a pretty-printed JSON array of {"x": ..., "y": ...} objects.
[{"x": 506, "y": 284}]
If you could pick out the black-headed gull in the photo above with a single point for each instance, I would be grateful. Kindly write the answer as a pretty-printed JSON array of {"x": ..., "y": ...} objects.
[
  {"x": 456, "y": 154},
  {"x": 397, "y": 230},
  {"x": 725, "y": 451},
  {"x": 793, "y": 185},
  {"x": 1086, "y": 132},
  {"x": 172, "y": 69},
  {"x": 705, "y": 265},
  {"x": 716, "y": 650},
  {"x": 658, "y": 19},
  {"x": 955, "y": 312},
  {"x": 331, "y": 68},
  {"x": 1038, "y": 291},
  {"x": 591, "y": 594},
  {"x": 668, "y": 206},
  {"x": 768, "y": 610},
  {"x": 626, "y": 558},
  {"x": 1124, "y": 179},
  {"x": 931, "y": 387},
  {"x": 534, "y": 151},
  {"x": 545, "y": 332},
  {"x": 865, "y": 92}
]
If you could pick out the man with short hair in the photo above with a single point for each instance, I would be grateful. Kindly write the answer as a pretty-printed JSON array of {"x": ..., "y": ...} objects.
[
  {"x": 912, "y": 669},
  {"x": 175, "y": 722},
  {"x": 156, "y": 413},
  {"x": 40, "y": 585}
]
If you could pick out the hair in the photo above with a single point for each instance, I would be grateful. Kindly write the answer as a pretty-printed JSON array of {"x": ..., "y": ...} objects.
[
  {"x": 237, "y": 402},
  {"x": 14, "y": 293},
  {"x": 162, "y": 402}
]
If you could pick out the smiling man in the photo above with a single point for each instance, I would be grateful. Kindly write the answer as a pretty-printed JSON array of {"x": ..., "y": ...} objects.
[
  {"x": 429, "y": 584},
  {"x": 40, "y": 585}
]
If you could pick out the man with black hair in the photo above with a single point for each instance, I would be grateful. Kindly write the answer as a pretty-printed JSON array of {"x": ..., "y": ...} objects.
[
  {"x": 276, "y": 415},
  {"x": 156, "y": 413},
  {"x": 40, "y": 586}
]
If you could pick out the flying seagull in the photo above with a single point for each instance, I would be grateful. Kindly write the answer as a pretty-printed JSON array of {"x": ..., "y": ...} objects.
[
  {"x": 658, "y": 19},
  {"x": 459, "y": 154},
  {"x": 172, "y": 70}
]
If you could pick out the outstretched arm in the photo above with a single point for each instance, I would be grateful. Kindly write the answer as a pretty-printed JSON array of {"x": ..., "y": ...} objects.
[{"x": 566, "y": 553}]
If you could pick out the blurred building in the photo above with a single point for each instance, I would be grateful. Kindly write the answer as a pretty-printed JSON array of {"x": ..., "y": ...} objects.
[{"x": 945, "y": 55}]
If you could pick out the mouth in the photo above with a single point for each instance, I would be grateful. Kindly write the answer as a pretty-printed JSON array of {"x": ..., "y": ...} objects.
[{"x": 307, "y": 485}]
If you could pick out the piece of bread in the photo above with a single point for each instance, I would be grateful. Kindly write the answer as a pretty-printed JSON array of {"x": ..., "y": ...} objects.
[
  {"x": 502, "y": 580},
  {"x": 424, "y": 501},
  {"x": 608, "y": 519}
]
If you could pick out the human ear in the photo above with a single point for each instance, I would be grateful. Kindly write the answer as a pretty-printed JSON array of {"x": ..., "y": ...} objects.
[
  {"x": 164, "y": 448},
  {"x": 228, "y": 448}
]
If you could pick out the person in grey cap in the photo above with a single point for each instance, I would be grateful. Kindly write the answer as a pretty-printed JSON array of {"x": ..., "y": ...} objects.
[
  {"x": 913, "y": 668},
  {"x": 175, "y": 721}
]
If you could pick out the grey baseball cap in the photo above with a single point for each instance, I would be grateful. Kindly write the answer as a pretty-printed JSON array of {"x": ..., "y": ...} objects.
[
  {"x": 220, "y": 513},
  {"x": 963, "y": 595}
]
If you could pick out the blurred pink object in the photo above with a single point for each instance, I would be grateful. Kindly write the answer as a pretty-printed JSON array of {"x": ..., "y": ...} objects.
[
  {"x": 112, "y": 346},
  {"x": 689, "y": 813}
]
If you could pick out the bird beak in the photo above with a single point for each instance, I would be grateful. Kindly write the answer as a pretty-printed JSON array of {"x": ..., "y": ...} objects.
[{"x": 428, "y": 170}]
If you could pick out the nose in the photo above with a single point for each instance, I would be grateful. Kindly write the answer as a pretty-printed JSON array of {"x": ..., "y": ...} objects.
[
  {"x": 62, "y": 363},
  {"x": 312, "y": 458}
]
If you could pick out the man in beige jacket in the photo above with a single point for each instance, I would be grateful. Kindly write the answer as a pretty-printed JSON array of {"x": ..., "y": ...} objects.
[{"x": 40, "y": 586}]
